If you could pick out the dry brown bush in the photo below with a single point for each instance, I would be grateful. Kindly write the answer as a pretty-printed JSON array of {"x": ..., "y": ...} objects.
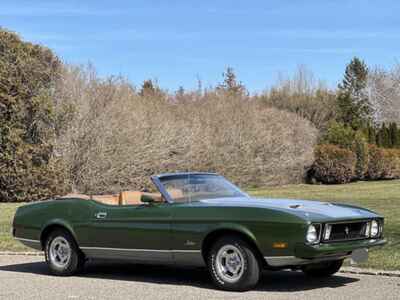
[
  {"x": 384, "y": 163},
  {"x": 112, "y": 138},
  {"x": 304, "y": 95},
  {"x": 333, "y": 164}
]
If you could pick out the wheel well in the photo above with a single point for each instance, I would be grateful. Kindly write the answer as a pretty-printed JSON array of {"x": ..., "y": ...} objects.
[
  {"x": 45, "y": 233},
  {"x": 212, "y": 237}
]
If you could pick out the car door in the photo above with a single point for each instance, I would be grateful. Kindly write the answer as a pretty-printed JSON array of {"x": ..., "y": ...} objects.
[{"x": 137, "y": 232}]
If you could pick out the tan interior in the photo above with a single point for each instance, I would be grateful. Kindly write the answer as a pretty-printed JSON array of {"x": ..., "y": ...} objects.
[
  {"x": 123, "y": 198},
  {"x": 175, "y": 193},
  {"x": 133, "y": 197}
]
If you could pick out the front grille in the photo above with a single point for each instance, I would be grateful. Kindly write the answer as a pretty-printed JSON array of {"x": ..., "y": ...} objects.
[{"x": 347, "y": 231}]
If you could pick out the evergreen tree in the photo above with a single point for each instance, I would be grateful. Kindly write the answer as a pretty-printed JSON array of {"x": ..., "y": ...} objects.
[
  {"x": 393, "y": 134},
  {"x": 371, "y": 134},
  {"x": 180, "y": 94},
  {"x": 28, "y": 75},
  {"x": 150, "y": 88},
  {"x": 354, "y": 108},
  {"x": 231, "y": 84},
  {"x": 383, "y": 137},
  {"x": 147, "y": 88},
  {"x": 398, "y": 138}
]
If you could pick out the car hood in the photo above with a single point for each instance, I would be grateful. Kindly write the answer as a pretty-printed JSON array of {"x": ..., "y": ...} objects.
[{"x": 305, "y": 209}]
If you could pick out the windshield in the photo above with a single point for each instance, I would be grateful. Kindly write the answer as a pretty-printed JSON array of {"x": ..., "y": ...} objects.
[{"x": 192, "y": 187}]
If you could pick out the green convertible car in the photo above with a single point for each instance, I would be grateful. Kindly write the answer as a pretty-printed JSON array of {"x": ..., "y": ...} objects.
[{"x": 199, "y": 219}]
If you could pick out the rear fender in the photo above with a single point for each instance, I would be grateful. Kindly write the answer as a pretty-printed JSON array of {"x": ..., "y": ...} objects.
[{"x": 46, "y": 228}]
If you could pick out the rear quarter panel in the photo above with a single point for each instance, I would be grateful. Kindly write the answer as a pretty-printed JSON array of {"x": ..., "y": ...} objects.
[{"x": 74, "y": 214}]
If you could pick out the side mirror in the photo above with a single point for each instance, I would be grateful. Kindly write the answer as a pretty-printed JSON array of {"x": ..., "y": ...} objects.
[{"x": 146, "y": 199}]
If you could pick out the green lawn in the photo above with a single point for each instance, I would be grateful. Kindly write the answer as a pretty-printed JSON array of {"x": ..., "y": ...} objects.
[
  {"x": 7, "y": 243},
  {"x": 381, "y": 196}
]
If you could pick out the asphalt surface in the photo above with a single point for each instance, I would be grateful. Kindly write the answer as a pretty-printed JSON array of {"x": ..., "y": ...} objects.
[{"x": 27, "y": 277}]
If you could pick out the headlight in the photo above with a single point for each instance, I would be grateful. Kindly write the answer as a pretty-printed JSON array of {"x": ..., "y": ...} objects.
[
  {"x": 312, "y": 234},
  {"x": 374, "y": 228}
]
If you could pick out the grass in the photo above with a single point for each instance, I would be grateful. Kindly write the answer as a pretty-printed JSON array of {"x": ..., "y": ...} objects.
[
  {"x": 380, "y": 196},
  {"x": 7, "y": 243}
]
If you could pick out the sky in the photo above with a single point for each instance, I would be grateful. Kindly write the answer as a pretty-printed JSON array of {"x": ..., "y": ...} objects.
[{"x": 179, "y": 42}]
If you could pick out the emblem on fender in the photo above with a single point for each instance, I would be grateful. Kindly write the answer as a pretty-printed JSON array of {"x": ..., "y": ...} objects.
[{"x": 189, "y": 243}]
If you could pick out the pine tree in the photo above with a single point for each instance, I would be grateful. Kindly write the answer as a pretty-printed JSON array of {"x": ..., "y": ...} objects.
[
  {"x": 147, "y": 88},
  {"x": 371, "y": 134},
  {"x": 180, "y": 94},
  {"x": 354, "y": 108},
  {"x": 231, "y": 84},
  {"x": 383, "y": 138},
  {"x": 398, "y": 138},
  {"x": 393, "y": 134}
]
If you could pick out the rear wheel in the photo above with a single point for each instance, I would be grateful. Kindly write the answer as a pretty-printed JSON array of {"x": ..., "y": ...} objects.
[
  {"x": 323, "y": 269},
  {"x": 233, "y": 265},
  {"x": 62, "y": 254}
]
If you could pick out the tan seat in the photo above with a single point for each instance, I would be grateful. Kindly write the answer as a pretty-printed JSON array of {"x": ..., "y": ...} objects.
[
  {"x": 133, "y": 197},
  {"x": 175, "y": 193},
  {"x": 107, "y": 199},
  {"x": 130, "y": 197},
  {"x": 123, "y": 198}
]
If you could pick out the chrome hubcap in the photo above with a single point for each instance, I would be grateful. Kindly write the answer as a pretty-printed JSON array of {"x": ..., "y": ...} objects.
[
  {"x": 229, "y": 263},
  {"x": 60, "y": 252}
]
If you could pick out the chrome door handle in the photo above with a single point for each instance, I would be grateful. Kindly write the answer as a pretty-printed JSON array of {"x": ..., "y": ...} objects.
[{"x": 101, "y": 215}]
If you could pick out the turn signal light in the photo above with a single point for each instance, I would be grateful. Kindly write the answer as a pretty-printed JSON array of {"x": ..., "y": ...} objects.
[{"x": 280, "y": 245}]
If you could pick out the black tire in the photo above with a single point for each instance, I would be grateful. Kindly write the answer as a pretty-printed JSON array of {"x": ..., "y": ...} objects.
[
  {"x": 323, "y": 269},
  {"x": 75, "y": 261},
  {"x": 251, "y": 268}
]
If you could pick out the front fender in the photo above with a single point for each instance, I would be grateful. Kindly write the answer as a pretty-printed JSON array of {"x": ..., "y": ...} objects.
[{"x": 234, "y": 228}]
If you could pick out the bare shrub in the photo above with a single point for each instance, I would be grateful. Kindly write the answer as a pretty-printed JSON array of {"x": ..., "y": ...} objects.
[
  {"x": 113, "y": 137},
  {"x": 304, "y": 95},
  {"x": 384, "y": 94}
]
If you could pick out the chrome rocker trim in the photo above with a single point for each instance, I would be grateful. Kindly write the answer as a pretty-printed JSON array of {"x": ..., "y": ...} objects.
[
  {"x": 26, "y": 240},
  {"x": 140, "y": 250},
  {"x": 152, "y": 256}
]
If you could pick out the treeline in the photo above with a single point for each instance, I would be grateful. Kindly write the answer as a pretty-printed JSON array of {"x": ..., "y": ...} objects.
[
  {"x": 63, "y": 128},
  {"x": 385, "y": 136},
  {"x": 355, "y": 145}
]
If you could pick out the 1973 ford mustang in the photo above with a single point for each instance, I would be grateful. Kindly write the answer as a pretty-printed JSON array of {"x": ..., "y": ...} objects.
[{"x": 199, "y": 219}]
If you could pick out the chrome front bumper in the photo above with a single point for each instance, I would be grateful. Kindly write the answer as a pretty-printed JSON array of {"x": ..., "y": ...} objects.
[{"x": 282, "y": 261}]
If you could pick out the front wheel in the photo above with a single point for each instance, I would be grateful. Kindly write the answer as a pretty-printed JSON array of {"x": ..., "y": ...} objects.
[
  {"x": 323, "y": 269},
  {"x": 62, "y": 254},
  {"x": 233, "y": 265}
]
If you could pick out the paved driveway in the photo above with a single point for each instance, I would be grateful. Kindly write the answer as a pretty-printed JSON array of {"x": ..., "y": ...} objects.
[{"x": 26, "y": 277}]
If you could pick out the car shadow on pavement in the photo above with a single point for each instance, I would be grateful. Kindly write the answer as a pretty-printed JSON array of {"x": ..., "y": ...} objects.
[{"x": 277, "y": 281}]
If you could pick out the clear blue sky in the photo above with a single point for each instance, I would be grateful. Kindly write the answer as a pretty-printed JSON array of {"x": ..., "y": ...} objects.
[{"x": 178, "y": 41}]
